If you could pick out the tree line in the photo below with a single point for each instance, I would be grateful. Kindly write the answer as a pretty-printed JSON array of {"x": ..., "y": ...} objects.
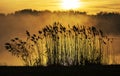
[{"x": 36, "y": 12}]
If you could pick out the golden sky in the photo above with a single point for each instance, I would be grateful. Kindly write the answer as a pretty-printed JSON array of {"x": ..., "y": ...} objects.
[
  {"x": 14, "y": 24},
  {"x": 92, "y": 6}
]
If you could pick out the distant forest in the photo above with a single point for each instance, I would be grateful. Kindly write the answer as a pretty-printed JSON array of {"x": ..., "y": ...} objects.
[
  {"x": 36, "y": 12},
  {"x": 107, "y": 21}
]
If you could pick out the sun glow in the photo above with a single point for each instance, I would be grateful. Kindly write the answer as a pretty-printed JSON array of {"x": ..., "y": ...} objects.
[{"x": 70, "y": 4}]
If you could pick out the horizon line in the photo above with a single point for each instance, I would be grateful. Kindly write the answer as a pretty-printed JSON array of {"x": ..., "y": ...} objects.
[{"x": 60, "y": 11}]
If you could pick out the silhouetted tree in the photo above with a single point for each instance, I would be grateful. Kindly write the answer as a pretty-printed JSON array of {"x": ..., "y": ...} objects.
[{"x": 2, "y": 15}]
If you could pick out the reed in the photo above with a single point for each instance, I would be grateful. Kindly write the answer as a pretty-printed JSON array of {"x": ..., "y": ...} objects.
[{"x": 59, "y": 45}]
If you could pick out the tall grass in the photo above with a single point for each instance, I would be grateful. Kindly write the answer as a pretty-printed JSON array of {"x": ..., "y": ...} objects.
[{"x": 59, "y": 45}]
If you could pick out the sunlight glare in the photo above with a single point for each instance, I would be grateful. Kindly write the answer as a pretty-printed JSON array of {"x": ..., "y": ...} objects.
[{"x": 70, "y": 4}]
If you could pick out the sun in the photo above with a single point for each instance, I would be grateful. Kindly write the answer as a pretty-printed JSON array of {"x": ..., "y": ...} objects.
[{"x": 70, "y": 4}]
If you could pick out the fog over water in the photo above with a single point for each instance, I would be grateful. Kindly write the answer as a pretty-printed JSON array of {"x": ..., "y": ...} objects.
[{"x": 16, "y": 24}]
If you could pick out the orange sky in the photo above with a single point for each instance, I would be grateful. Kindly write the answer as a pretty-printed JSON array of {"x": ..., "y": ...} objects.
[
  {"x": 91, "y": 6},
  {"x": 10, "y": 6}
]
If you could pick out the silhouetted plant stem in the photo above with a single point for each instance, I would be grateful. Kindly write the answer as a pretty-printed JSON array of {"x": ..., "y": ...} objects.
[{"x": 79, "y": 45}]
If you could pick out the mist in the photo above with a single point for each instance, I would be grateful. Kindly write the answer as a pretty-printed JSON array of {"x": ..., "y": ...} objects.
[{"x": 15, "y": 25}]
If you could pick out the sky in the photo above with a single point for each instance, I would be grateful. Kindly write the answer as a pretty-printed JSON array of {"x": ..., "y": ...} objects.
[
  {"x": 91, "y": 6},
  {"x": 12, "y": 26}
]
